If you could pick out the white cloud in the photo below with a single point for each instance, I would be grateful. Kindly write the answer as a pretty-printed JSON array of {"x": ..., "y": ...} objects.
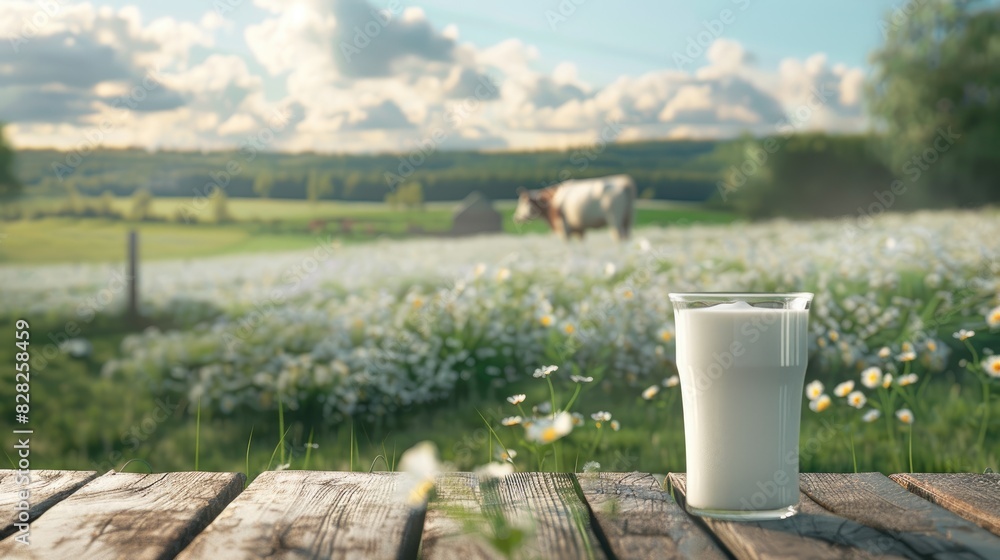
[{"x": 355, "y": 78}]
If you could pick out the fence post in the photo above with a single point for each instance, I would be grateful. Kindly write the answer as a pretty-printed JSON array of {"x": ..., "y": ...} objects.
[{"x": 133, "y": 276}]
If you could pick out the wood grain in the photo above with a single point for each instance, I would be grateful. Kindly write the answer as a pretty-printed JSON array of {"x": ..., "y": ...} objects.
[
  {"x": 128, "y": 515},
  {"x": 549, "y": 507},
  {"x": 453, "y": 526},
  {"x": 874, "y": 500},
  {"x": 975, "y": 497},
  {"x": 308, "y": 514},
  {"x": 46, "y": 489},
  {"x": 639, "y": 520},
  {"x": 813, "y": 533}
]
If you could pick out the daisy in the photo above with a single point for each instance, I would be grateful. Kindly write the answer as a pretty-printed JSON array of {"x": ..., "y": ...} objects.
[
  {"x": 963, "y": 334},
  {"x": 819, "y": 404},
  {"x": 907, "y": 356},
  {"x": 546, "y": 320},
  {"x": 843, "y": 389},
  {"x": 857, "y": 399},
  {"x": 503, "y": 274},
  {"x": 580, "y": 379},
  {"x": 672, "y": 381},
  {"x": 872, "y": 415},
  {"x": 568, "y": 328},
  {"x": 516, "y": 399},
  {"x": 601, "y": 416},
  {"x": 512, "y": 421},
  {"x": 506, "y": 456},
  {"x": 615, "y": 425},
  {"x": 577, "y": 419},
  {"x": 905, "y": 415},
  {"x": 993, "y": 317},
  {"x": 547, "y": 430},
  {"x": 887, "y": 380},
  {"x": 885, "y": 352},
  {"x": 992, "y": 366},
  {"x": 494, "y": 470},
  {"x": 666, "y": 335},
  {"x": 814, "y": 390},
  {"x": 908, "y": 379},
  {"x": 651, "y": 392},
  {"x": 544, "y": 371},
  {"x": 419, "y": 466},
  {"x": 871, "y": 377}
]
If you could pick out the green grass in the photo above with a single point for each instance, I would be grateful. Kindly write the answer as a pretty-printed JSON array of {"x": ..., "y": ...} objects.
[{"x": 262, "y": 225}]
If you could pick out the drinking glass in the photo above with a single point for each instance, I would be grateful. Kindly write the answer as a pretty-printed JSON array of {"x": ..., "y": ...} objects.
[{"x": 742, "y": 362}]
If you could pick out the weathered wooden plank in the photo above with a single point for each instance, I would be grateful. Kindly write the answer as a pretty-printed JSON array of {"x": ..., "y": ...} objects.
[
  {"x": 549, "y": 507},
  {"x": 975, "y": 497},
  {"x": 874, "y": 500},
  {"x": 639, "y": 520},
  {"x": 46, "y": 488},
  {"x": 308, "y": 514},
  {"x": 813, "y": 533},
  {"x": 455, "y": 521},
  {"x": 128, "y": 515}
]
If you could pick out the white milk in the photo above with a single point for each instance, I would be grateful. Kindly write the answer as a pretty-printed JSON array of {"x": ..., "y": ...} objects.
[{"x": 742, "y": 370}]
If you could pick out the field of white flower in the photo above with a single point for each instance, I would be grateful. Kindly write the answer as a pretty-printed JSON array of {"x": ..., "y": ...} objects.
[{"x": 367, "y": 330}]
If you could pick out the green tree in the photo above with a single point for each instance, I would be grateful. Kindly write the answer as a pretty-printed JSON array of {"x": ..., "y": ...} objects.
[
  {"x": 10, "y": 187},
  {"x": 106, "y": 205},
  {"x": 351, "y": 184},
  {"x": 220, "y": 207},
  {"x": 392, "y": 199},
  {"x": 414, "y": 195},
  {"x": 407, "y": 195},
  {"x": 263, "y": 183},
  {"x": 318, "y": 185},
  {"x": 935, "y": 93},
  {"x": 804, "y": 175},
  {"x": 74, "y": 203},
  {"x": 142, "y": 202}
]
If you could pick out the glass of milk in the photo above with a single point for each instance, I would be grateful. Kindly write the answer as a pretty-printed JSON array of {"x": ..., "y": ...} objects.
[{"x": 742, "y": 362}]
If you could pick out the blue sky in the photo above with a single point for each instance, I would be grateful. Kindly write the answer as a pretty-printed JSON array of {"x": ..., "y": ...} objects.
[
  {"x": 607, "y": 38},
  {"x": 564, "y": 68}
]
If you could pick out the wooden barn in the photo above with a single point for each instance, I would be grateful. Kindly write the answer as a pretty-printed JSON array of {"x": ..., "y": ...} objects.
[{"x": 476, "y": 215}]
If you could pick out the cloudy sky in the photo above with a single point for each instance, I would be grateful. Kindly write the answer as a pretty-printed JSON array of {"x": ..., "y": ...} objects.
[{"x": 377, "y": 75}]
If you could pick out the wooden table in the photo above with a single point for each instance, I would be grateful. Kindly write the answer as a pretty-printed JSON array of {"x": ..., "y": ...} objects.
[{"x": 308, "y": 514}]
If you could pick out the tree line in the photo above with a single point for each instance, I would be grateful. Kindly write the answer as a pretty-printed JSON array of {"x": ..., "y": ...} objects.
[{"x": 680, "y": 170}]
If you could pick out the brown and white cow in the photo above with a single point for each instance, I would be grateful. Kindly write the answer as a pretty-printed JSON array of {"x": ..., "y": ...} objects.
[{"x": 571, "y": 207}]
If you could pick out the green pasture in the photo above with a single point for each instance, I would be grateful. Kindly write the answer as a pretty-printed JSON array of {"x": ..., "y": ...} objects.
[{"x": 262, "y": 225}]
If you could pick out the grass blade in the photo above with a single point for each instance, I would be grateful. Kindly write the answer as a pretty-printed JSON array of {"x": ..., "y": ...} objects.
[
  {"x": 281, "y": 444},
  {"x": 309, "y": 448},
  {"x": 249, "y": 441},
  {"x": 197, "y": 435},
  {"x": 281, "y": 426}
]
